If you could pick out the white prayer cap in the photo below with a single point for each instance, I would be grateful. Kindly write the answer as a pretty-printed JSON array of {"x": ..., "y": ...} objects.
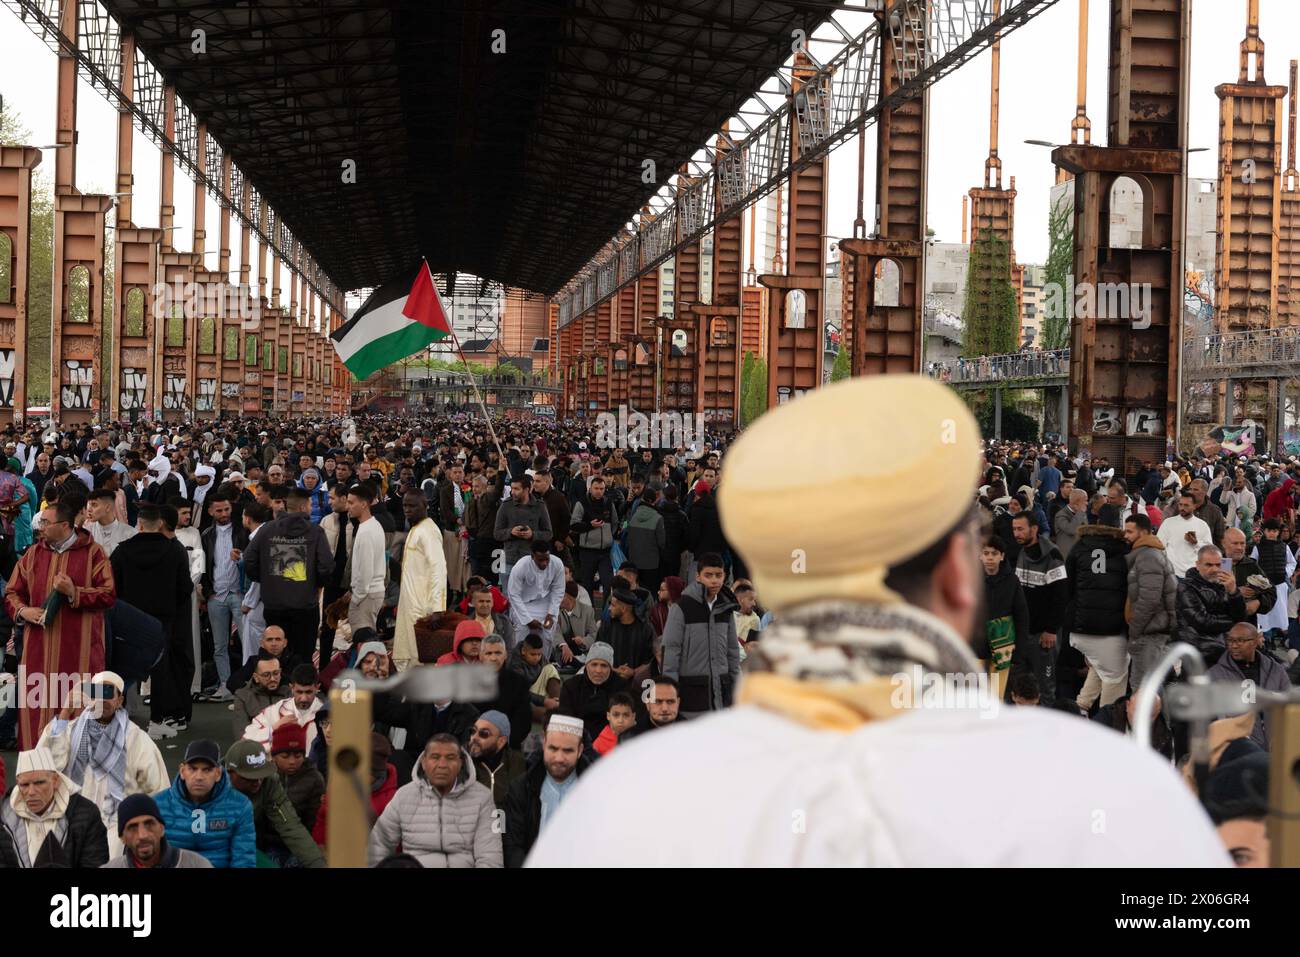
[
  {"x": 37, "y": 759},
  {"x": 566, "y": 724}
]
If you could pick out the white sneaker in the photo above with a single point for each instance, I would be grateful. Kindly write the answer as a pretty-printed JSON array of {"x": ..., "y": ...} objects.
[
  {"x": 177, "y": 724},
  {"x": 158, "y": 730}
]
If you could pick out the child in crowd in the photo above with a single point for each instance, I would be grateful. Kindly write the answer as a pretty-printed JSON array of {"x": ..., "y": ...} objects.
[{"x": 621, "y": 716}]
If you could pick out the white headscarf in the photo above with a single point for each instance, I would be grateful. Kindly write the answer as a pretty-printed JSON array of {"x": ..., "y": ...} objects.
[
  {"x": 201, "y": 491},
  {"x": 163, "y": 466}
]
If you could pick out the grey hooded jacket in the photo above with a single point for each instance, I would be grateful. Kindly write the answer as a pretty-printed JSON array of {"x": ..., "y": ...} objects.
[{"x": 441, "y": 830}]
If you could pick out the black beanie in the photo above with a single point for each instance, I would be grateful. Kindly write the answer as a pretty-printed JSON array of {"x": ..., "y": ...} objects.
[{"x": 137, "y": 805}]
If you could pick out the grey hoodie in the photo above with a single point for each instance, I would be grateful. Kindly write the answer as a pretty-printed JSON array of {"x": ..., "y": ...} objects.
[{"x": 534, "y": 515}]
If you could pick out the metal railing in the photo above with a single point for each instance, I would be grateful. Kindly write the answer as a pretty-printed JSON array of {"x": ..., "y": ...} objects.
[
  {"x": 1039, "y": 364},
  {"x": 1237, "y": 350}
]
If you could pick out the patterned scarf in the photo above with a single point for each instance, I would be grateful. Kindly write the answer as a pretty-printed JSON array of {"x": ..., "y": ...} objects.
[
  {"x": 830, "y": 664},
  {"x": 101, "y": 748}
]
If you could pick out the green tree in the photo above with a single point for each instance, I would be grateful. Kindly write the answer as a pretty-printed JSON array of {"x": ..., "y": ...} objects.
[
  {"x": 990, "y": 318},
  {"x": 753, "y": 389},
  {"x": 843, "y": 367},
  {"x": 1058, "y": 288},
  {"x": 40, "y": 270}
]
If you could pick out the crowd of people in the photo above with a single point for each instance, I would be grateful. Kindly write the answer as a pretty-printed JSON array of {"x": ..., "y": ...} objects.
[{"x": 243, "y": 566}]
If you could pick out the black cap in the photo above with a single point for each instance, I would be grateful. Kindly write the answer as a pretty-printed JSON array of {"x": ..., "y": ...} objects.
[
  {"x": 203, "y": 751},
  {"x": 625, "y": 596}
]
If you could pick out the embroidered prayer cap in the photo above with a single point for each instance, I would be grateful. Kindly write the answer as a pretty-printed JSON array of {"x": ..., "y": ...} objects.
[
  {"x": 898, "y": 463},
  {"x": 566, "y": 724}
]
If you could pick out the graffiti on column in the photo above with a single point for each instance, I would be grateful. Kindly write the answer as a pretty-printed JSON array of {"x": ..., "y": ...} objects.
[
  {"x": 78, "y": 384},
  {"x": 1106, "y": 421},
  {"x": 6, "y": 378},
  {"x": 134, "y": 384},
  {"x": 174, "y": 391},
  {"x": 230, "y": 390},
  {"x": 205, "y": 401}
]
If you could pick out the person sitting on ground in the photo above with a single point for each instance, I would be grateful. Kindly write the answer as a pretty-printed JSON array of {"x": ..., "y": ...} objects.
[
  {"x": 144, "y": 839},
  {"x": 587, "y": 694},
  {"x": 383, "y": 785},
  {"x": 302, "y": 782},
  {"x": 1236, "y": 798},
  {"x": 45, "y": 822},
  {"x": 266, "y": 688},
  {"x": 466, "y": 644},
  {"x": 444, "y": 816},
  {"x": 535, "y": 797},
  {"x": 496, "y": 762},
  {"x": 273, "y": 641},
  {"x": 621, "y": 717},
  {"x": 280, "y": 834},
  {"x": 202, "y": 791},
  {"x": 661, "y": 709},
  {"x": 300, "y": 707},
  {"x": 1023, "y": 688},
  {"x": 367, "y": 654}
]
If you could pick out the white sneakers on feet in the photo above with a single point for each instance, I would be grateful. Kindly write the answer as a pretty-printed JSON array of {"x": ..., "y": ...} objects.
[{"x": 161, "y": 730}]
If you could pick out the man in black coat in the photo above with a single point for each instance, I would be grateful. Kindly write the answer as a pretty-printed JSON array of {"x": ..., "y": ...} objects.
[
  {"x": 422, "y": 721},
  {"x": 586, "y": 695},
  {"x": 153, "y": 574},
  {"x": 1209, "y": 604},
  {"x": 536, "y": 796},
  {"x": 513, "y": 699},
  {"x": 45, "y": 795},
  {"x": 1097, "y": 576}
]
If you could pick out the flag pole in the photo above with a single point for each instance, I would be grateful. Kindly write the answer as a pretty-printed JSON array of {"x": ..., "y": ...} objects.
[{"x": 473, "y": 385}]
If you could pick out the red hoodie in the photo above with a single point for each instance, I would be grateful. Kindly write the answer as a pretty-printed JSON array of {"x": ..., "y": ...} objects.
[
  {"x": 378, "y": 801},
  {"x": 465, "y": 631}
]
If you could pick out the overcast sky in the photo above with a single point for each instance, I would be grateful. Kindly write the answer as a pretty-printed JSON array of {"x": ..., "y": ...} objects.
[{"x": 1037, "y": 102}]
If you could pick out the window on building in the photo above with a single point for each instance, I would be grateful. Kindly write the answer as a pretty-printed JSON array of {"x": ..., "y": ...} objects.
[
  {"x": 6, "y": 267},
  {"x": 134, "y": 325},
  {"x": 79, "y": 294}
]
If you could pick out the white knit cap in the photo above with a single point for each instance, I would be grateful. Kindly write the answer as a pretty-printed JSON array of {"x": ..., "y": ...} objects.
[{"x": 566, "y": 724}]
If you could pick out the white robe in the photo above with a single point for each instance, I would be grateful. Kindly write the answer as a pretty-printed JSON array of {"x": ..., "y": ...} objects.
[
  {"x": 423, "y": 590},
  {"x": 882, "y": 795},
  {"x": 146, "y": 772},
  {"x": 252, "y": 624},
  {"x": 534, "y": 594}
]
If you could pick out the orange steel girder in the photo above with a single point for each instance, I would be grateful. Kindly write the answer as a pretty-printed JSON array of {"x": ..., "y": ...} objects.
[
  {"x": 16, "y": 165},
  {"x": 886, "y": 336},
  {"x": 1123, "y": 373},
  {"x": 79, "y": 236},
  {"x": 794, "y": 355},
  {"x": 717, "y": 324},
  {"x": 1288, "y": 247}
]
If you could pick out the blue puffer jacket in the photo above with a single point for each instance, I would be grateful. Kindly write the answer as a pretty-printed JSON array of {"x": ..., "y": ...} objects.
[
  {"x": 221, "y": 828},
  {"x": 320, "y": 496}
]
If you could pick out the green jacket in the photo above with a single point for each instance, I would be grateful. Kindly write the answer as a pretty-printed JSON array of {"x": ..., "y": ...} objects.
[{"x": 272, "y": 810}]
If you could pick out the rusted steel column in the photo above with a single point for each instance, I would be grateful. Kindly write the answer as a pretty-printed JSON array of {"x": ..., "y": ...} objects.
[
  {"x": 167, "y": 169},
  {"x": 223, "y": 220},
  {"x": 78, "y": 294},
  {"x": 136, "y": 313},
  {"x": 1081, "y": 127},
  {"x": 1124, "y": 367},
  {"x": 1249, "y": 207},
  {"x": 16, "y": 165},
  {"x": 238, "y": 318},
  {"x": 200, "y": 192},
  {"x": 794, "y": 342},
  {"x": 677, "y": 333},
  {"x": 1288, "y": 247},
  {"x": 885, "y": 323},
  {"x": 717, "y": 324}
]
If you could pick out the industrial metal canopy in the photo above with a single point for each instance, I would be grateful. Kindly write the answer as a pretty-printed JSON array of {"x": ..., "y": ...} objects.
[{"x": 516, "y": 166}]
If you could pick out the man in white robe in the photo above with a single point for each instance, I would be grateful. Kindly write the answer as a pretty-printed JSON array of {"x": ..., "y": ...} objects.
[
  {"x": 839, "y": 753},
  {"x": 535, "y": 589},
  {"x": 424, "y": 579}
]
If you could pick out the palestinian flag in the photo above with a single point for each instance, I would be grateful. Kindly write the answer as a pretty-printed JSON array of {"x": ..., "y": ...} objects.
[{"x": 399, "y": 319}]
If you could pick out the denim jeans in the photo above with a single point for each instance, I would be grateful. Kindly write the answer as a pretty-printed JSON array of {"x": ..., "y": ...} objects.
[{"x": 222, "y": 613}]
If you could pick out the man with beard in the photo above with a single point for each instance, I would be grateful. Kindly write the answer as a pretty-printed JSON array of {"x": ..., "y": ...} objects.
[
  {"x": 300, "y": 707},
  {"x": 631, "y": 637},
  {"x": 497, "y": 764},
  {"x": 586, "y": 695},
  {"x": 535, "y": 798},
  {"x": 901, "y": 594},
  {"x": 534, "y": 589},
  {"x": 144, "y": 839},
  {"x": 1041, "y": 571},
  {"x": 661, "y": 709}
]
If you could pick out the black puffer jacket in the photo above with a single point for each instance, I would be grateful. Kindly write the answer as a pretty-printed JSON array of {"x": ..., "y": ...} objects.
[
  {"x": 524, "y": 811},
  {"x": 704, "y": 533},
  {"x": 1205, "y": 613},
  {"x": 1098, "y": 580},
  {"x": 84, "y": 842}
]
